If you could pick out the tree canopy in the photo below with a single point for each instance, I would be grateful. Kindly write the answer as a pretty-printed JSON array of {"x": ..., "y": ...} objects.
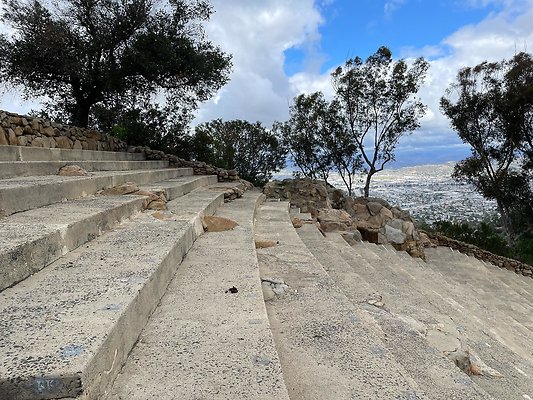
[
  {"x": 80, "y": 53},
  {"x": 490, "y": 106},
  {"x": 248, "y": 147},
  {"x": 378, "y": 105},
  {"x": 317, "y": 140}
]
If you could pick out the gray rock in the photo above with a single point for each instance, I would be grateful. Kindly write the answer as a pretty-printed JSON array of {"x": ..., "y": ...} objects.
[{"x": 394, "y": 235}]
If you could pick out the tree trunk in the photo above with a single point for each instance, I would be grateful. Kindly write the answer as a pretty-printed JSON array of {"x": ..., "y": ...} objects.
[
  {"x": 80, "y": 115},
  {"x": 507, "y": 224},
  {"x": 367, "y": 183}
]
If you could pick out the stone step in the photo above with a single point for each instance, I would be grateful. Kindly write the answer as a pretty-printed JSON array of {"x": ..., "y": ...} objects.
[
  {"x": 27, "y": 153},
  {"x": 67, "y": 330},
  {"x": 326, "y": 350},
  {"x": 33, "y": 239},
  {"x": 203, "y": 341},
  {"x": 486, "y": 287},
  {"x": 508, "y": 321},
  {"x": 26, "y": 193},
  {"x": 413, "y": 289},
  {"x": 436, "y": 375},
  {"x": 521, "y": 284},
  {"x": 11, "y": 169}
]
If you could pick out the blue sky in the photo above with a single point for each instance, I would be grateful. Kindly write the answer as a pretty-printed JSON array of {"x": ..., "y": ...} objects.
[{"x": 282, "y": 48}]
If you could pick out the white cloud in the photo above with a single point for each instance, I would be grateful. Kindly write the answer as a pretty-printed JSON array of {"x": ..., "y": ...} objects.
[
  {"x": 391, "y": 6},
  {"x": 256, "y": 33}
]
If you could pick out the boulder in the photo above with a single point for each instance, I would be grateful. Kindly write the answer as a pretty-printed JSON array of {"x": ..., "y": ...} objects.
[
  {"x": 374, "y": 207},
  {"x": 218, "y": 224},
  {"x": 72, "y": 170},
  {"x": 119, "y": 190},
  {"x": 394, "y": 236}
]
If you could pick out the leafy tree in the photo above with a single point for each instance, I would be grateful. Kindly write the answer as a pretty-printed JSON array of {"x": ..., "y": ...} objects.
[
  {"x": 80, "y": 53},
  {"x": 482, "y": 235},
  {"x": 489, "y": 108},
  {"x": 317, "y": 140},
  {"x": 250, "y": 148},
  {"x": 305, "y": 133},
  {"x": 377, "y": 100}
]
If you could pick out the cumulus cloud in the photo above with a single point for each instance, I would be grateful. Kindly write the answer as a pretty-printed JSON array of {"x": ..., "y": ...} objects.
[{"x": 257, "y": 33}]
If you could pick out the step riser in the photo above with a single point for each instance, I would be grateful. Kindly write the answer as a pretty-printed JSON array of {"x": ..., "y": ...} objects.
[
  {"x": 16, "y": 199},
  {"x": 39, "y": 168},
  {"x": 20, "y": 153},
  {"x": 175, "y": 192}
]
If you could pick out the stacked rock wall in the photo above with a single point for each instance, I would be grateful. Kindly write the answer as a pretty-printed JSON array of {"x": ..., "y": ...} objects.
[
  {"x": 22, "y": 130},
  {"x": 19, "y": 130}
]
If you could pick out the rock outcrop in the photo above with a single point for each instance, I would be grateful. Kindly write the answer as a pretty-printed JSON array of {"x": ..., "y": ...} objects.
[{"x": 370, "y": 219}]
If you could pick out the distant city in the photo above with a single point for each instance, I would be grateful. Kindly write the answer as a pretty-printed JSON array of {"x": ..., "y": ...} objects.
[{"x": 427, "y": 191}]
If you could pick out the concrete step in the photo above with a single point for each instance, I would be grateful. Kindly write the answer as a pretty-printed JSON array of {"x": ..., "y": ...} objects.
[
  {"x": 437, "y": 376},
  {"x": 33, "y": 239},
  {"x": 326, "y": 350},
  {"x": 485, "y": 287},
  {"x": 413, "y": 289},
  {"x": 27, "y": 153},
  {"x": 26, "y": 193},
  {"x": 523, "y": 285},
  {"x": 509, "y": 280},
  {"x": 203, "y": 341},
  {"x": 10, "y": 169},
  {"x": 67, "y": 330}
]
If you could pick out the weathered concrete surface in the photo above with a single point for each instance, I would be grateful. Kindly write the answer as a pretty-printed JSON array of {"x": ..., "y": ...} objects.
[
  {"x": 33, "y": 239},
  {"x": 413, "y": 289},
  {"x": 10, "y": 169},
  {"x": 209, "y": 338},
  {"x": 326, "y": 349},
  {"x": 22, "y": 153},
  {"x": 66, "y": 330},
  {"x": 435, "y": 374},
  {"x": 26, "y": 193}
]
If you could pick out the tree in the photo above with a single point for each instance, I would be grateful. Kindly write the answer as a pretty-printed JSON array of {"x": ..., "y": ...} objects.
[
  {"x": 80, "y": 53},
  {"x": 378, "y": 105},
  {"x": 250, "y": 148},
  {"x": 317, "y": 140},
  {"x": 489, "y": 106}
]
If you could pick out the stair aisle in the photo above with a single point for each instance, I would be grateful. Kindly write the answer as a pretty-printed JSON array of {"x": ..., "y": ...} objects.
[
  {"x": 209, "y": 338},
  {"x": 327, "y": 351},
  {"x": 435, "y": 374},
  {"x": 423, "y": 296}
]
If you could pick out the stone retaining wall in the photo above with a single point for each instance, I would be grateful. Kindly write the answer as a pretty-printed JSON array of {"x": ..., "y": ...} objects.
[
  {"x": 22, "y": 130},
  {"x": 471, "y": 250}
]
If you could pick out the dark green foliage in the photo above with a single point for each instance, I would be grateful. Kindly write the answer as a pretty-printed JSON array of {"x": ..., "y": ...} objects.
[
  {"x": 377, "y": 103},
  {"x": 523, "y": 250},
  {"x": 482, "y": 235},
  {"x": 485, "y": 236},
  {"x": 82, "y": 53},
  {"x": 490, "y": 107},
  {"x": 250, "y": 148},
  {"x": 317, "y": 139}
]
